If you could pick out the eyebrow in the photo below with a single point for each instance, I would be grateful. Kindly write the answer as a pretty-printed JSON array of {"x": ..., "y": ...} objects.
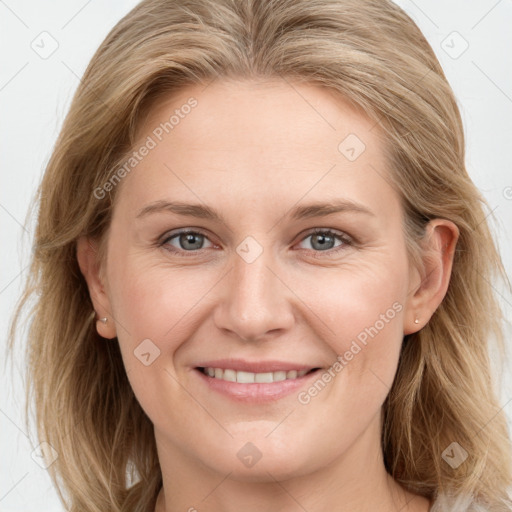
[{"x": 318, "y": 209}]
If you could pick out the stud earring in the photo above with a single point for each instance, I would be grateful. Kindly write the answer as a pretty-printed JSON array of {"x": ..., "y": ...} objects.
[
  {"x": 104, "y": 320},
  {"x": 416, "y": 321}
]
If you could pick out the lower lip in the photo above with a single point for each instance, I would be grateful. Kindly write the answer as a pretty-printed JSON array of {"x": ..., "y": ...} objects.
[{"x": 257, "y": 392}]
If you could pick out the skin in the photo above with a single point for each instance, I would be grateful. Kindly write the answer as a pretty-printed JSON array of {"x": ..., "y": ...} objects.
[{"x": 253, "y": 151}]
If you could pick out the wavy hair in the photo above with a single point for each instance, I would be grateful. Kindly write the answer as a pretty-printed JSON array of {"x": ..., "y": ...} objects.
[{"x": 376, "y": 58}]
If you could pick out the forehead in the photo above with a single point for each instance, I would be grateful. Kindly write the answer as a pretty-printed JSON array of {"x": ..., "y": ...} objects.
[
  {"x": 279, "y": 114},
  {"x": 258, "y": 142}
]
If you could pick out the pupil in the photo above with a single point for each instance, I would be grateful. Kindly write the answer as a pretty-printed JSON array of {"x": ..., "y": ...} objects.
[
  {"x": 321, "y": 239},
  {"x": 189, "y": 238}
]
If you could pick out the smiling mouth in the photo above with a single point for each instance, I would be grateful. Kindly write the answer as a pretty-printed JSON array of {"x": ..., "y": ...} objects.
[{"x": 243, "y": 377}]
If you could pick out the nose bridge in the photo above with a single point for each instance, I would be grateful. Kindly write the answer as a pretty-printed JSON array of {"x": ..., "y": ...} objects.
[
  {"x": 252, "y": 279},
  {"x": 255, "y": 301}
]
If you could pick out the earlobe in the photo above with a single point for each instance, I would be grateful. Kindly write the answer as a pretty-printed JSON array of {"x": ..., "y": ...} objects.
[
  {"x": 431, "y": 285},
  {"x": 88, "y": 261}
]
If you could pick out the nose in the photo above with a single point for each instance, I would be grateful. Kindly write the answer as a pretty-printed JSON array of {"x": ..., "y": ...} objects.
[{"x": 256, "y": 302}]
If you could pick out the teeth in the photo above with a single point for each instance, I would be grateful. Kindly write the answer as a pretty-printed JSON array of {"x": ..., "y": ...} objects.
[
  {"x": 251, "y": 378},
  {"x": 229, "y": 375}
]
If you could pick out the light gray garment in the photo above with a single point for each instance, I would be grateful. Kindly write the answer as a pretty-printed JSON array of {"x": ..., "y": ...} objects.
[{"x": 445, "y": 503}]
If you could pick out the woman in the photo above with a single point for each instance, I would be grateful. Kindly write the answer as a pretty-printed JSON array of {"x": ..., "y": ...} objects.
[{"x": 322, "y": 343}]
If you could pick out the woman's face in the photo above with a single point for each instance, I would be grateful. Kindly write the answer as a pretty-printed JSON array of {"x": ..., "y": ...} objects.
[{"x": 253, "y": 284}]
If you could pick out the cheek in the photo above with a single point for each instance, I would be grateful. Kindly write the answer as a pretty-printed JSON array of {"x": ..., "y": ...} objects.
[
  {"x": 156, "y": 312},
  {"x": 359, "y": 311},
  {"x": 156, "y": 303}
]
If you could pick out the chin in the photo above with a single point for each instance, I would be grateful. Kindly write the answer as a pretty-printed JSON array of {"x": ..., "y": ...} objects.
[{"x": 260, "y": 459}]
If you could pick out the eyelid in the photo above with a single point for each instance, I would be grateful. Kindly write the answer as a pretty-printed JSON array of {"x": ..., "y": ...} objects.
[
  {"x": 180, "y": 231},
  {"x": 347, "y": 240},
  {"x": 342, "y": 235}
]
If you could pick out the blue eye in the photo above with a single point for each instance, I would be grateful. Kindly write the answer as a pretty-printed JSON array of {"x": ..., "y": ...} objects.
[
  {"x": 322, "y": 240},
  {"x": 188, "y": 242}
]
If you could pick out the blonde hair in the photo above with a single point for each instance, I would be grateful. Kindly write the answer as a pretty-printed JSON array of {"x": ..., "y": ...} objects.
[{"x": 375, "y": 57}]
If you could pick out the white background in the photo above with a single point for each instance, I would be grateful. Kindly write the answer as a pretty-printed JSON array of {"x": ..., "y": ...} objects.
[{"x": 35, "y": 94}]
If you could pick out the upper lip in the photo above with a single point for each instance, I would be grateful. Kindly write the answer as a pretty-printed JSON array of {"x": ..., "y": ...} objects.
[{"x": 255, "y": 366}]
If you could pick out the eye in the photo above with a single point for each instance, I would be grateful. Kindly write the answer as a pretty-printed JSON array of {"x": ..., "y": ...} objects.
[
  {"x": 189, "y": 241},
  {"x": 323, "y": 240},
  {"x": 184, "y": 241}
]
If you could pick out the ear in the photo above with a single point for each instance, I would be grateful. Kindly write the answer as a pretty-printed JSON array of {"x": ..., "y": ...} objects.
[
  {"x": 88, "y": 261},
  {"x": 429, "y": 286}
]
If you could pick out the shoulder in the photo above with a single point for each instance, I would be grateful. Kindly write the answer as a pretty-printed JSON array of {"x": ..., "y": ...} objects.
[{"x": 466, "y": 503}]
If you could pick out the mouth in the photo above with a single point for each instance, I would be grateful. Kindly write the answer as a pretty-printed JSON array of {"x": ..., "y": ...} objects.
[
  {"x": 254, "y": 382},
  {"x": 245, "y": 377}
]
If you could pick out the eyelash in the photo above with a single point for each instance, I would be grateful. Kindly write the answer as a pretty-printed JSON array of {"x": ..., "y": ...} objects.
[{"x": 347, "y": 241}]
